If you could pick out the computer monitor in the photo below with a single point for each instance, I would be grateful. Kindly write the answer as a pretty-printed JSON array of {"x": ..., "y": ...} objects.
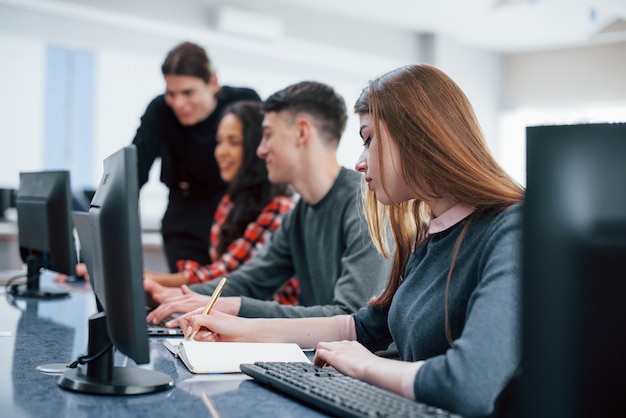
[
  {"x": 118, "y": 284},
  {"x": 574, "y": 288},
  {"x": 83, "y": 230},
  {"x": 45, "y": 230}
]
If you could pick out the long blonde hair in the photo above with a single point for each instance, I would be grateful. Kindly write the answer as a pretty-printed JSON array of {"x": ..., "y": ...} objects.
[{"x": 442, "y": 153}]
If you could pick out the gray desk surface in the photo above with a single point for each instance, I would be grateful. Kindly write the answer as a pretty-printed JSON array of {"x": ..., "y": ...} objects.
[{"x": 34, "y": 332}]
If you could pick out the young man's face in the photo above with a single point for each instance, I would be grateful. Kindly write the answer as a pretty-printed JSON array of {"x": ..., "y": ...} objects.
[
  {"x": 191, "y": 99},
  {"x": 279, "y": 147}
]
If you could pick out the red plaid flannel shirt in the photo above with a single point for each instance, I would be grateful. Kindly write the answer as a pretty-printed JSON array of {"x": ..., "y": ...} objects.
[{"x": 241, "y": 250}]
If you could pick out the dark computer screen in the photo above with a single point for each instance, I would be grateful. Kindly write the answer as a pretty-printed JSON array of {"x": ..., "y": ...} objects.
[
  {"x": 574, "y": 287},
  {"x": 118, "y": 284},
  {"x": 45, "y": 230}
]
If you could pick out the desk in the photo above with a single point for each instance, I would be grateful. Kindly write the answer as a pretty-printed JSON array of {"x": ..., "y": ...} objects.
[{"x": 34, "y": 332}]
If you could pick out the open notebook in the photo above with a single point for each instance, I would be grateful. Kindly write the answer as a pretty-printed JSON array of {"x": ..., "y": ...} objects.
[{"x": 221, "y": 357}]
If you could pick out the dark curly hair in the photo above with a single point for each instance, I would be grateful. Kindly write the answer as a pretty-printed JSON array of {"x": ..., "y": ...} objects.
[{"x": 250, "y": 191}]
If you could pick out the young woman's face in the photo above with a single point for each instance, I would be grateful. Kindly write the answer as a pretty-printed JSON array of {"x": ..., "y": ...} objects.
[
  {"x": 191, "y": 99},
  {"x": 369, "y": 164},
  {"x": 229, "y": 150}
]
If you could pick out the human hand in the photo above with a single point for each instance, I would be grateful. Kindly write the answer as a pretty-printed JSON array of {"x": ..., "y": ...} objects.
[
  {"x": 216, "y": 326},
  {"x": 157, "y": 294},
  {"x": 348, "y": 357},
  {"x": 81, "y": 271},
  {"x": 173, "y": 300}
]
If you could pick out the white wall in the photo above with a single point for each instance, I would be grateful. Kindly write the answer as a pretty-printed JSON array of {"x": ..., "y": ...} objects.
[
  {"x": 130, "y": 47},
  {"x": 129, "y": 42},
  {"x": 128, "y": 54},
  {"x": 568, "y": 86},
  {"x": 594, "y": 74},
  {"x": 21, "y": 107}
]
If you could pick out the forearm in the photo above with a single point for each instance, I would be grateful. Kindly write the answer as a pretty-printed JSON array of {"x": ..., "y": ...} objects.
[
  {"x": 255, "y": 308},
  {"x": 306, "y": 332},
  {"x": 206, "y": 288},
  {"x": 394, "y": 375},
  {"x": 170, "y": 280}
]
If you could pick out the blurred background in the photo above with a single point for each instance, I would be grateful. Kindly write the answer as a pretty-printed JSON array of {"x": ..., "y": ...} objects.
[{"x": 76, "y": 75}]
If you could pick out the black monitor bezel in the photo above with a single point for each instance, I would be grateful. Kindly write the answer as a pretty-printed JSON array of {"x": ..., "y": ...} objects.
[
  {"x": 118, "y": 283},
  {"x": 45, "y": 229}
]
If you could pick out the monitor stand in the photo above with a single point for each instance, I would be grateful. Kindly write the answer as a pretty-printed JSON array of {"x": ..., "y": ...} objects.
[
  {"x": 102, "y": 378},
  {"x": 31, "y": 289}
]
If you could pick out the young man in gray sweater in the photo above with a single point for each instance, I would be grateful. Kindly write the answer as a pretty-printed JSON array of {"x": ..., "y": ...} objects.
[{"x": 323, "y": 241}]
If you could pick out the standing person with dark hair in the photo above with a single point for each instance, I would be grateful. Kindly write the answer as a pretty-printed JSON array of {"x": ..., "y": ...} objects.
[
  {"x": 180, "y": 127},
  {"x": 452, "y": 303},
  {"x": 323, "y": 241},
  {"x": 250, "y": 211}
]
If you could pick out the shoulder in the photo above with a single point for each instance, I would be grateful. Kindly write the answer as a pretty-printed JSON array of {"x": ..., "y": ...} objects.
[
  {"x": 283, "y": 203},
  {"x": 223, "y": 209},
  {"x": 348, "y": 179},
  {"x": 273, "y": 213},
  {"x": 280, "y": 204},
  {"x": 233, "y": 94},
  {"x": 158, "y": 110},
  {"x": 343, "y": 193},
  {"x": 225, "y": 200},
  {"x": 158, "y": 104},
  {"x": 502, "y": 232},
  {"x": 346, "y": 189},
  {"x": 510, "y": 217}
]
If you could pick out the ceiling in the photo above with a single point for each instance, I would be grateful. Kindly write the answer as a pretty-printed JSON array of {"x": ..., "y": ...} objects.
[
  {"x": 506, "y": 26},
  {"x": 501, "y": 25}
]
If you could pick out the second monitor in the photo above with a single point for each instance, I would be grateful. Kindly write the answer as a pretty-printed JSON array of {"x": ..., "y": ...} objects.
[
  {"x": 118, "y": 283},
  {"x": 46, "y": 237}
]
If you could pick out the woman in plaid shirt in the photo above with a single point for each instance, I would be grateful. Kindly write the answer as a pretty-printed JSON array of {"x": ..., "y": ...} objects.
[{"x": 249, "y": 212}]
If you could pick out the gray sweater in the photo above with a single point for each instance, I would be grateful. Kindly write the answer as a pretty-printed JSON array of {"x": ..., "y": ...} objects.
[
  {"x": 484, "y": 308},
  {"x": 326, "y": 246}
]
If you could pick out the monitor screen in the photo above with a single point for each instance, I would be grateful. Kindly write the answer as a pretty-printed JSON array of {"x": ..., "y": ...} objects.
[
  {"x": 118, "y": 283},
  {"x": 45, "y": 230},
  {"x": 574, "y": 340}
]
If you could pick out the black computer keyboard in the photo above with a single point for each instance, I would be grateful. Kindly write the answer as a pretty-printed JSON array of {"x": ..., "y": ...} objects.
[{"x": 335, "y": 393}]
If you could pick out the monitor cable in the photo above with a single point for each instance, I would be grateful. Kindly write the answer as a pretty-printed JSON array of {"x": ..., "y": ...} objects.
[{"x": 85, "y": 359}]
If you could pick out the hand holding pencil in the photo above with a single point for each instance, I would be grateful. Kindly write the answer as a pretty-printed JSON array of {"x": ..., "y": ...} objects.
[{"x": 210, "y": 303}]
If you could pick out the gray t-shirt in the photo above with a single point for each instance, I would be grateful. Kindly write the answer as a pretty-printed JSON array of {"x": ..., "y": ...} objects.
[{"x": 326, "y": 246}]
